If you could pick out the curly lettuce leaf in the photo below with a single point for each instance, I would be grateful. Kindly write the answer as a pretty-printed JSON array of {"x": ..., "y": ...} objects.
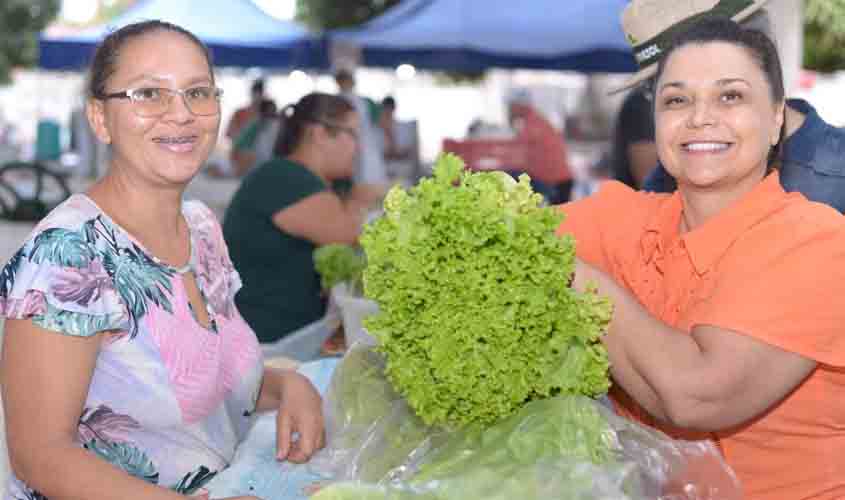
[
  {"x": 477, "y": 317},
  {"x": 337, "y": 264}
]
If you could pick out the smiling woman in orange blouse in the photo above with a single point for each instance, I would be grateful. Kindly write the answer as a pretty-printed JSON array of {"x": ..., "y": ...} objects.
[{"x": 730, "y": 293}]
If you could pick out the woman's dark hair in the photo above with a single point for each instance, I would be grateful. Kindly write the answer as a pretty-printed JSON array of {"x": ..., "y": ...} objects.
[
  {"x": 634, "y": 123},
  {"x": 388, "y": 102},
  {"x": 267, "y": 107},
  {"x": 757, "y": 44},
  {"x": 257, "y": 86},
  {"x": 314, "y": 108},
  {"x": 104, "y": 62}
]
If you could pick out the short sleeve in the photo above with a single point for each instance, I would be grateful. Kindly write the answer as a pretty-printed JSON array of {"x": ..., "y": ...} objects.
[
  {"x": 605, "y": 223},
  {"x": 58, "y": 280},
  {"x": 278, "y": 185},
  {"x": 785, "y": 286}
]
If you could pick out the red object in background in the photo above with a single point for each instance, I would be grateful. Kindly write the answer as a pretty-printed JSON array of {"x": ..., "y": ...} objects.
[
  {"x": 538, "y": 149},
  {"x": 806, "y": 79},
  {"x": 489, "y": 154}
]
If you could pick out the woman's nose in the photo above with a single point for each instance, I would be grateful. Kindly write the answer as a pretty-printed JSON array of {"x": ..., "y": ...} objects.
[
  {"x": 178, "y": 110},
  {"x": 702, "y": 114}
]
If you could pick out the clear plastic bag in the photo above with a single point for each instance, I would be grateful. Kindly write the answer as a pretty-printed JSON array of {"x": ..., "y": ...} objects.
[{"x": 564, "y": 447}]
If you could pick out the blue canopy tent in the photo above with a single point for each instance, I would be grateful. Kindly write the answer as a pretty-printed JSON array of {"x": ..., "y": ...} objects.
[
  {"x": 238, "y": 33},
  {"x": 473, "y": 35}
]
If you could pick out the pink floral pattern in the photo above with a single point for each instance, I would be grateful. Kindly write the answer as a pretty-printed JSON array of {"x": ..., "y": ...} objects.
[
  {"x": 31, "y": 304},
  {"x": 169, "y": 399}
]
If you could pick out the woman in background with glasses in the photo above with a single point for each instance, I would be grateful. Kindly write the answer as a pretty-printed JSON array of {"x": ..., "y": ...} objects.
[
  {"x": 127, "y": 371},
  {"x": 286, "y": 208}
]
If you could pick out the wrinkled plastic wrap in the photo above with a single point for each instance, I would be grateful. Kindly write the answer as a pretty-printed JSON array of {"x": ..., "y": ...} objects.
[{"x": 565, "y": 447}]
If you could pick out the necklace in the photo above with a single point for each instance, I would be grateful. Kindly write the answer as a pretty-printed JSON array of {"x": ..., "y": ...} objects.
[
  {"x": 177, "y": 270},
  {"x": 182, "y": 270}
]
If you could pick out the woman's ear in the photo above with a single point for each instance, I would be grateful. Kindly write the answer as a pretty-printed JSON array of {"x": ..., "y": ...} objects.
[{"x": 96, "y": 113}]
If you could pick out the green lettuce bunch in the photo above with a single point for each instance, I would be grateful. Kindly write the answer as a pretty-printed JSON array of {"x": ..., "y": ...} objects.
[
  {"x": 337, "y": 264},
  {"x": 477, "y": 317}
]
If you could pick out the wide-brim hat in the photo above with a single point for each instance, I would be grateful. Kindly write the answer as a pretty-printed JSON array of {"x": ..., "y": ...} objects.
[{"x": 651, "y": 25}]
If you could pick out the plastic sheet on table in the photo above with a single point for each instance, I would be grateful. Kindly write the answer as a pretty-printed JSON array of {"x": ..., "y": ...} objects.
[{"x": 563, "y": 447}]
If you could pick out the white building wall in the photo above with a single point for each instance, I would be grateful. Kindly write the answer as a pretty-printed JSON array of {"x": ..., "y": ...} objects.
[{"x": 787, "y": 19}]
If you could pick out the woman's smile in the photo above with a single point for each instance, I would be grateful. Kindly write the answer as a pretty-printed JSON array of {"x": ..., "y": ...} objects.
[
  {"x": 180, "y": 144},
  {"x": 706, "y": 147}
]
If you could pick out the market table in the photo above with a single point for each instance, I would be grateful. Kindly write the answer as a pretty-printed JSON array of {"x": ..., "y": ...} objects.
[{"x": 255, "y": 470}]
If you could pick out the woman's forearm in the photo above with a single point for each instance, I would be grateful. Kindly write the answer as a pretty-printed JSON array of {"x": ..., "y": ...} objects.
[
  {"x": 643, "y": 370},
  {"x": 69, "y": 472},
  {"x": 270, "y": 395}
]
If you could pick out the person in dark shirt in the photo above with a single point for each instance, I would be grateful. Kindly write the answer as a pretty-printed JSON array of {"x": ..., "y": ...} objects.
[
  {"x": 285, "y": 209},
  {"x": 634, "y": 153}
]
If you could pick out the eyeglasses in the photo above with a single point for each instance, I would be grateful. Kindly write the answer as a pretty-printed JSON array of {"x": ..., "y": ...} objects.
[
  {"x": 150, "y": 102},
  {"x": 342, "y": 128}
]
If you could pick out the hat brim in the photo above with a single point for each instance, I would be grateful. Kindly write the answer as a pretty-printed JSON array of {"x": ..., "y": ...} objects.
[{"x": 644, "y": 74}]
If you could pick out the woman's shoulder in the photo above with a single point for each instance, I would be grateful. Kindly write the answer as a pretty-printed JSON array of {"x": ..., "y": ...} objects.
[
  {"x": 69, "y": 225},
  {"x": 203, "y": 223},
  {"x": 198, "y": 213},
  {"x": 795, "y": 230},
  {"x": 72, "y": 213},
  {"x": 279, "y": 170},
  {"x": 805, "y": 218},
  {"x": 611, "y": 220},
  {"x": 64, "y": 272},
  {"x": 615, "y": 201}
]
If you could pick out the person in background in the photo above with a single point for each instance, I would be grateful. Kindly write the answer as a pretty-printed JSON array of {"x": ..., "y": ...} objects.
[
  {"x": 369, "y": 167},
  {"x": 813, "y": 162},
  {"x": 254, "y": 144},
  {"x": 127, "y": 370},
  {"x": 248, "y": 113},
  {"x": 723, "y": 327},
  {"x": 634, "y": 153},
  {"x": 285, "y": 208},
  {"x": 398, "y": 143},
  {"x": 387, "y": 123},
  {"x": 546, "y": 161}
]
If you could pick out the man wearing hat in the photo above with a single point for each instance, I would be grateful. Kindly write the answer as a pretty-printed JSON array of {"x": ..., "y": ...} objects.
[{"x": 813, "y": 155}]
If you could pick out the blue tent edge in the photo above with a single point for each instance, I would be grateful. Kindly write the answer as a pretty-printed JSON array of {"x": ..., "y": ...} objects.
[
  {"x": 238, "y": 33},
  {"x": 64, "y": 54},
  {"x": 396, "y": 37},
  {"x": 468, "y": 60}
]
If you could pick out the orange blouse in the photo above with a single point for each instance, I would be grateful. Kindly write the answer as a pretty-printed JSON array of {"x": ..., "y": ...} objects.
[{"x": 771, "y": 266}]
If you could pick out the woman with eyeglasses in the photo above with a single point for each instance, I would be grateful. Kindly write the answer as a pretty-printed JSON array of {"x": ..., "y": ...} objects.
[
  {"x": 286, "y": 208},
  {"x": 127, "y": 370}
]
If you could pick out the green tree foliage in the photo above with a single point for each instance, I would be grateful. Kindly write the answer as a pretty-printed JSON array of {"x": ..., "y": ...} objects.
[
  {"x": 824, "y": 35},
  {"x": 20, "y": 22},
  {"x": 330, "y": 14}
]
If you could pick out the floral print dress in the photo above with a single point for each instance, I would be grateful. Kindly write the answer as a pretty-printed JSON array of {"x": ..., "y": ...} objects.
[{"x": 169, "y": 399}]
